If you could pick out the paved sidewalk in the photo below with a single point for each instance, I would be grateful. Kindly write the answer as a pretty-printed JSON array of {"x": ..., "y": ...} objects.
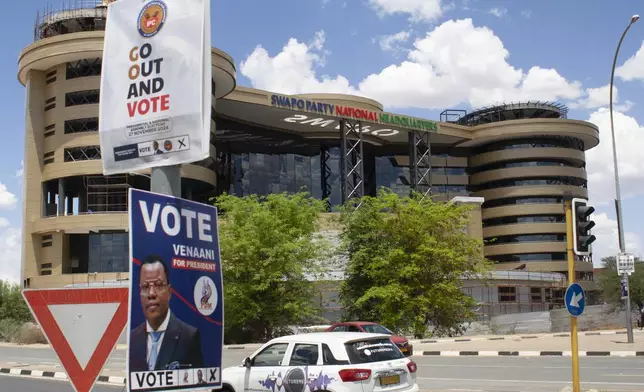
[
  {"x": 559, "y": 344},
  {"x": 524, "y": 336}
]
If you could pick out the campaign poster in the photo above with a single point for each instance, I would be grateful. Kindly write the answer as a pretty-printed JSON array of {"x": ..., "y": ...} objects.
[
  {"x": 176, "y": 317},
  {"x": 155, "y": 96}
]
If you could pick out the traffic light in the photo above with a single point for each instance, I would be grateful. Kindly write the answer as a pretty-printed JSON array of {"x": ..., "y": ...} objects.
[{"x": 581, "y": 225}]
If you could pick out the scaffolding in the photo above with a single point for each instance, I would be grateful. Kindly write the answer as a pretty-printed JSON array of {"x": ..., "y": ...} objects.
[
  {"x": 420, "y": 163},
  {"x": 516, "y": 292},
  {"x": 351, "y": 161},
  {"x": 72, "y": 17},
  {"x": 325, "y": 176},
  {"x": 514, "y": 111},
  {"x": 107, "y": 194}
]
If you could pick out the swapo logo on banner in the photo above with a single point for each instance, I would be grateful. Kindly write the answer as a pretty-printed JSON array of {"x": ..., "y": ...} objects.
[
  {"x": 155, "y": 84},
  {"x": 176, "y": 295}
]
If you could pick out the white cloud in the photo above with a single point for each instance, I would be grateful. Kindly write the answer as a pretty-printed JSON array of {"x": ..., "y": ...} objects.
[
  {"x": 526, "y": 14},
  {"x": 20, "y": 171},
  {"x": 600, "y": 97},
  {"x": 325, "y": 2},
  {"x": 7, "y": 199},
  {"x": 455, "y": 63},
  {"x": 498, "y": 12},
  {"x": 292, "y": 71},
  {"x": 633, "y": 68},
  {"x": 629, "y": 137},
  {"x": 391, "y": 43},
  {"x": 4, "y": 222},
  {"x": 10, "y": 251},
  {"x": 418, "y": 10},
  {"x": 607, "y": 243}
]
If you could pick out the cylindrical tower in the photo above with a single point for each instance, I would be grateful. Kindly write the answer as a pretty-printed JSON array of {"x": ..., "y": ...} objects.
[
  {"x": 74, "y": 218},
  {"x": 527, "y": 156}
]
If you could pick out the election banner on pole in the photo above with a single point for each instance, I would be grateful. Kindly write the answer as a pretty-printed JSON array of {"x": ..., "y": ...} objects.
[
  {"x": 175, "y": 335},
  {"x": 156, "y": 85}
]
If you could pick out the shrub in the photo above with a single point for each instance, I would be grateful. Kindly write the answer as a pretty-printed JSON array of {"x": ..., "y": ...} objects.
[
  {"x": 29, "y": 334},
  {"x": 8, "y": 329}
]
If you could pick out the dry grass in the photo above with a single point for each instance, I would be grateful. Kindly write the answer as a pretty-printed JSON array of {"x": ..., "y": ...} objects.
[{"x": 30, "y": 334}]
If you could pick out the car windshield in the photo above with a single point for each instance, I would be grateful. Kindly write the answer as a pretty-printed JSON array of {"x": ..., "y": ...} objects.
[
  {"x": 372, "y": 350},
  {"x": 376, "y": 328}
]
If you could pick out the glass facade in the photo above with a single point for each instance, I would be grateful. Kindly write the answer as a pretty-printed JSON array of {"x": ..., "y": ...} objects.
[
  {"x": 264, "y": 173},
  {"x": 522, "y": 200},
  {"x": 561, "y": 142},
  {"x": 108, "y": 252},
  {"x": 513, "y": 220},
  {"x": 573, "y": 181},
  {"x": 527, "y": 257}
]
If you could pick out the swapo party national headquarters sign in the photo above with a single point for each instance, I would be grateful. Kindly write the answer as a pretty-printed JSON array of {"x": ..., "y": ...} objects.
[
  {"x": 175, "y": 330},
  {"x": 156, "y": 84}
]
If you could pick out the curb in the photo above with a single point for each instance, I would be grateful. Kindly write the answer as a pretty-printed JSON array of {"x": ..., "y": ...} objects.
[
  {"x": 59, "y": 375},
  {"x": 508, "y": 337},
  {"x": 533, "y": 353}
]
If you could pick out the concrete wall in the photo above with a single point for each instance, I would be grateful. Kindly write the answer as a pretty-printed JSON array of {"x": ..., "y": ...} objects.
[
  {"x": 554, "y": 321},
  {"x": 594, "y": 317}
]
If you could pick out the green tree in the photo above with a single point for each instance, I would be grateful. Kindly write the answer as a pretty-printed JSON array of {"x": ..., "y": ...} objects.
[
  {"x": 610, "y": 286},
  {"x": 268, "y": 249},
  {"x": 12, "y": 304},
  {"x": 407, "y": 257}
]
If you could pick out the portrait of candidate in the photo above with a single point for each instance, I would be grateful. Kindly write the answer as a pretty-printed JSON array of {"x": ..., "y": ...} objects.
[{"x": 162, "y": 342}]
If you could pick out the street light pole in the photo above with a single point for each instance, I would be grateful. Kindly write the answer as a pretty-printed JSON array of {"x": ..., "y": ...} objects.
[{"x": 618, "y": 200}]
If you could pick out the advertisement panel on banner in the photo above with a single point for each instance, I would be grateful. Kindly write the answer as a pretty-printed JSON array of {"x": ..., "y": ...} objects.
[
  {"x": 176, "y": 295},
  {"x": 155, "y": 84}
]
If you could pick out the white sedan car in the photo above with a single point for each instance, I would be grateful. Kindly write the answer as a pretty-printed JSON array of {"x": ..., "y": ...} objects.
[{"x": 328, "y": 362}]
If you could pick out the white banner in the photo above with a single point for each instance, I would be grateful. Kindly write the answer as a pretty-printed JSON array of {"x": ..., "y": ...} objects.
[{"x": 156, "y": 84}]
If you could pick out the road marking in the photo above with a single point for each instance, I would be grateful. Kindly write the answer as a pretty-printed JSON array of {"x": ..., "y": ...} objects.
[
  {"x": 624, "y": 375},
  {"x": 517, "y": 366},
  {"x": 565, "y": 382}
]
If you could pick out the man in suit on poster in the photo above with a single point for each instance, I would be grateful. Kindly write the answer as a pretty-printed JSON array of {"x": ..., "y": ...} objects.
[{"x": 162, "y": 342}]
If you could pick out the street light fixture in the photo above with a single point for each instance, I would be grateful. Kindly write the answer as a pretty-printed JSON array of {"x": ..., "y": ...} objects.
[{"x": 618, "y": 200}]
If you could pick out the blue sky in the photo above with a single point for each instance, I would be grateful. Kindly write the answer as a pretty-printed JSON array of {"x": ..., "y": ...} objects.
[{"x": 417, "y": 57}]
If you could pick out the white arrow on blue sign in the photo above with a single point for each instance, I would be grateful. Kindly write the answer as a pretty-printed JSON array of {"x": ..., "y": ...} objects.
[{"x": 575, "y": 300}]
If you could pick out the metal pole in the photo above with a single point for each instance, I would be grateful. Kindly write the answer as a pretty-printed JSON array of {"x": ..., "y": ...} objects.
[
  {"x": 618, "y": 199},
  {"x": 166, "y": 180},
  {"x": 574, "y": 347},
  {"x": 628, "y": 316}
]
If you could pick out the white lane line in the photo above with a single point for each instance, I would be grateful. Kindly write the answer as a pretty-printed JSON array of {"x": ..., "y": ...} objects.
[
  {"x": 565, "y": 382},
  {"x": 519, "y": 366}
]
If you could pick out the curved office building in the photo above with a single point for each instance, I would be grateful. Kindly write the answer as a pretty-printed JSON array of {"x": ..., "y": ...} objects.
[{"x": 517, "y": 160}]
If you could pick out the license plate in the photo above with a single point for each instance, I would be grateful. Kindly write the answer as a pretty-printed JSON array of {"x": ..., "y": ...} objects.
[{"x": 390, "y": 380}]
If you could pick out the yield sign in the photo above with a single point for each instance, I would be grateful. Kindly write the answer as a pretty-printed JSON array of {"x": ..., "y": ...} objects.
[{"x": 82, "y": 325}]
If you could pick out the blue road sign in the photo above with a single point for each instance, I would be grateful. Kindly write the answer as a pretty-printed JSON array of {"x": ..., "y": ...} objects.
[
  {"x": 176, "y": 295},
  {"x": 575, "y": 299},
  {"x": 624, "y": 286}
]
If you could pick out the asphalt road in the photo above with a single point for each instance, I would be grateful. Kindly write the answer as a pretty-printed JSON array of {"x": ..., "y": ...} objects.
[
  {"x": 471, "y": 374},
  {"x": 22, "y": 383}
]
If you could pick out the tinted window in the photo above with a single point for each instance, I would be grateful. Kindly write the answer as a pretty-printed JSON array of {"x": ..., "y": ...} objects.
[
  {"x": 340, "y": 328},
  {"x": 375, "y": 350},
  {"x": 304, "y": 354},
  {"x": 375, "y": 328},
  {"x": 109, "y": 252},
  {"x": 329, "y": 359},
  {"x": 353, "y": 328},
  {"x": 271, "y": 355}
]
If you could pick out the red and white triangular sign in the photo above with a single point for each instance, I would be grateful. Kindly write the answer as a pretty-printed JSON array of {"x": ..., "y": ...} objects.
[{"x": 82, "y": 325}]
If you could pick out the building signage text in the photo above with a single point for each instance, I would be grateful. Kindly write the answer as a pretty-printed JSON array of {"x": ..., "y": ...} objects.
[{"x": 354, "y": 113}]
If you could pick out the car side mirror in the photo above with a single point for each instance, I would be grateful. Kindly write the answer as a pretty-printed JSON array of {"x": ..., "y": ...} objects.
[{"x": 246, "y": 362}]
